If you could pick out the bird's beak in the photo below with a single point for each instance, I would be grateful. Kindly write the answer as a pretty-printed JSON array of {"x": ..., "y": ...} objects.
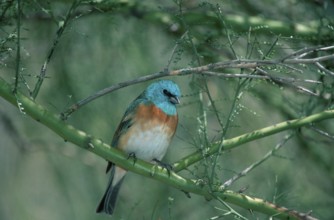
[{"x": 175, "y": 100}]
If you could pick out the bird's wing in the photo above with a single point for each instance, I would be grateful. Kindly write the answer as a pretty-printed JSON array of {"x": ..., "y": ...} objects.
[{"x": 126, "y": 122}]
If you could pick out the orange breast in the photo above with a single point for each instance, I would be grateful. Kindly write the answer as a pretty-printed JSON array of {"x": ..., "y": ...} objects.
[{"x": 152, "y": 116}]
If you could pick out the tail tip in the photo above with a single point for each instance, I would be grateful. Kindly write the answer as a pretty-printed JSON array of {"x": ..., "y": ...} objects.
[{"x": 101, "y": 209}]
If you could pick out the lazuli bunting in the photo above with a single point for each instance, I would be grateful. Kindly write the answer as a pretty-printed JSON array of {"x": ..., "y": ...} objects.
[{"x": 145, "y": 131}]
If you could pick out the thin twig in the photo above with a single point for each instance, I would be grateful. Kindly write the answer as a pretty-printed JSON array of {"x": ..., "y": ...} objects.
[
  {"x": 324, "y": 133},
  {"x": 102, "y": 92},
  {"x": 291, "y": 68},
  {"x": 254, "y": 165},
  {"x": 322, "y": 68},
  {"x": 310, "y": 60},
  {"x": 60, "y": 31},
  {"x": 205, "y": 69},
  {"x": 301, "y": 51},
  {"x": 308, "y": 50},
  {"x": 231, "y": 210},
  {"x": 280, "y": 81},
  {"x": 213, "y": 104},
  {"x": 18, "y": 46},
  {"x": 249, "y": 76},
  {"x": 174, "y": 49}
]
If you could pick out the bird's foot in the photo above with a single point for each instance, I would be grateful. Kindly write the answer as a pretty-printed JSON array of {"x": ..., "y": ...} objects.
[
  {"x": 166, "y": 166},
  {"x": 133, "y": 156},
  {"x": 187, "y": 194}
]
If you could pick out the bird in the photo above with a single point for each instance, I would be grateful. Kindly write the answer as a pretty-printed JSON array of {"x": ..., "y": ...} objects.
[{"x": 145, "y": 132}]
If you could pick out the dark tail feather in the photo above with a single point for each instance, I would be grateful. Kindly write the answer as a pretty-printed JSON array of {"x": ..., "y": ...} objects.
[
  {"x": 107, "y": 203},
  {"x": 100, "y": 208}
]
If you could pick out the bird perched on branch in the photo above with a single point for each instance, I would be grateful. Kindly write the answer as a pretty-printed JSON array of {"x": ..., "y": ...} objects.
[{"x": 145, "y": 132}]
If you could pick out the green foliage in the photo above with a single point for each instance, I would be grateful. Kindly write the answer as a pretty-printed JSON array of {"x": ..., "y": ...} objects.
[{"x": 265, "y": 71}]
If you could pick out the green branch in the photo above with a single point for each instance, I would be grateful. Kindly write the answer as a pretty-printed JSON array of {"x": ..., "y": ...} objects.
[
  {"x": 192, "y": 17},
  {"x": 83, "y": 140},
  {"x": 254, "y": 135},
  {"x": 240, "y": 23}
]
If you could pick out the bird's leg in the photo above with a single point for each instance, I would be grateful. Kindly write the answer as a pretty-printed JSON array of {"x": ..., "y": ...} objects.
[
  {"x": 110, "y": 164},
  {"x": 166, "y": 166},
  {"x": 187, "y": 194},
  {"x": 132, "y": 155}
]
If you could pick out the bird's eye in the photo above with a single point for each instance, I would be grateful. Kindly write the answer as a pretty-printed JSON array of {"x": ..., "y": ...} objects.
[
  {"x": 171, "y": 97},
  {"x": 167, "y": 93}
]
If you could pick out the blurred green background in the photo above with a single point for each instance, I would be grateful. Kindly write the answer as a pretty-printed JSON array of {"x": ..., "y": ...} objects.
[{"x": 105, "y": 43}]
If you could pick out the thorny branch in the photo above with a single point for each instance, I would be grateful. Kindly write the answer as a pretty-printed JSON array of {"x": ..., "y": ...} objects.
[
  {"x": 60, "y": 31},
  {"x": 213, "y": 69}
]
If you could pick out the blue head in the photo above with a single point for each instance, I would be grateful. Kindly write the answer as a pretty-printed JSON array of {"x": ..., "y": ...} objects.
[{"x": 165, "y": 95}]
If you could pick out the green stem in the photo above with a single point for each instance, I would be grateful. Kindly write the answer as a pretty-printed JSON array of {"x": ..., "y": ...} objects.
[{"x": 254, "y": 135}]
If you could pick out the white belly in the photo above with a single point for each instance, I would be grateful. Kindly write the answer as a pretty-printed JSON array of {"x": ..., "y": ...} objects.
[{"x": 149, "y": 144}]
